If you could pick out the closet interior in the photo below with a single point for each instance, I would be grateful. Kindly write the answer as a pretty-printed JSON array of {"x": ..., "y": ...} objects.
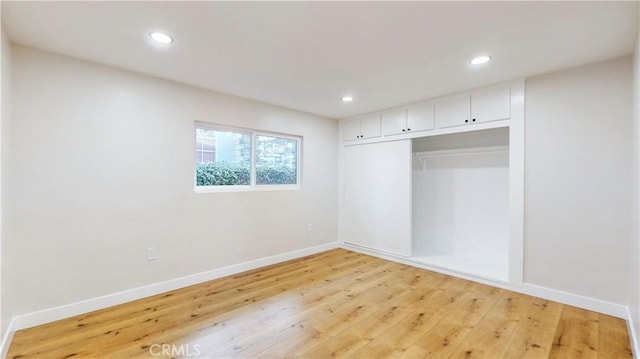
[{"x": 460, "y": 202}]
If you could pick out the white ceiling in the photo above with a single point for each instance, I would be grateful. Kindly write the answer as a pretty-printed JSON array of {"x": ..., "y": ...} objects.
[{"x": 307, "y": 55}]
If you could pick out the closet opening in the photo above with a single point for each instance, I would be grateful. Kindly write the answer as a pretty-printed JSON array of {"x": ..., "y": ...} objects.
[{"x": 460, "y": 202}]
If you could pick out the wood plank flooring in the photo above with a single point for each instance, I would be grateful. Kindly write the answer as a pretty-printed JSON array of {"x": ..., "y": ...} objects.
[{"x": 333, "y": 304}]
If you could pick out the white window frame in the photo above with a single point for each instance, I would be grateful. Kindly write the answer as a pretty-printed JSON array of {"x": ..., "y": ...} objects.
[{"x": 252, "y": 186}]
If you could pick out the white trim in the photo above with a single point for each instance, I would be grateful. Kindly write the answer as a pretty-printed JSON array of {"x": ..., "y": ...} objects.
[
  {"x": 222, "y": 189},
  {"x": 6, "y": 340},
  {"x": 276, "y": 187},
  {"x": 576, "y": 300},
  {"x": 257, "y": 188},
  {"x": 516, "y": 183},
  {"x": 631, "y": 328},
  {"x": 253, "y": 174},
  {"x": 69, "y": 310},
  {"x": 223, "y": 128}
]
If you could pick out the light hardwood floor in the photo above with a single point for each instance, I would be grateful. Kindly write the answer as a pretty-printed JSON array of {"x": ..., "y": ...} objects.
[{"x": 334, "y": 304}]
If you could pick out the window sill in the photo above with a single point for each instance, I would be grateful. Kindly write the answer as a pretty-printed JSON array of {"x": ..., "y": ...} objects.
[{"x": 222, "y": 189}]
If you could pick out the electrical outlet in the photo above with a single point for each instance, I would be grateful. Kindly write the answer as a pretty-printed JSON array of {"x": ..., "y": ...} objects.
[{"x": 151, "y": 254}]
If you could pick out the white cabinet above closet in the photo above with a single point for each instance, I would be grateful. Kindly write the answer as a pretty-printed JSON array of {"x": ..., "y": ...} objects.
[
  {"x": 415, "y": 118},
  {"x": 394, "y": 122},
  {"x": 467, "y": 111},
  {"x": 491, "y": 105},
  {"x": 421, "y": 116},
  {"x": 485, "y": 105},
  {"x": 361, "y": 128},
  {"x": 454, "y": 111}
]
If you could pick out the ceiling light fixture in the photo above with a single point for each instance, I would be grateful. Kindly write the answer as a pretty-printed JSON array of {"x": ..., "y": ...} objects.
[
  {"x": 480, "y": 60},
  {"x": 161, "y": 37},
  {"x": 347, "y": 99}
]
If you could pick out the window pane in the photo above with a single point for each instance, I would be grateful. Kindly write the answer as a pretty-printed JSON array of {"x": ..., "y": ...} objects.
[
  {"x": 208, "y": 143},
  {"x": 205, "y": 139},
  {"x": 223, "y": 158},
  {"x": 276, "y": 160}
]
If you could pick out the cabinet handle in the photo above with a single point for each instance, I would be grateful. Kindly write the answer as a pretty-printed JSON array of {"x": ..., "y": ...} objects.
[
  {"x": 474, "y": 120},
  {"x": 403, "y": 130},
  {"x": 408, "y": 129},
  {"x": 465, "y": 121}
]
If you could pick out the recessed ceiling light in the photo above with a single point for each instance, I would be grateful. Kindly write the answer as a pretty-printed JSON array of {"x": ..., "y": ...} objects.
[
  {"x": 161, "y": 37},
  {"x": 480, "y": 60},
  {"x": 347, "y": 99}
]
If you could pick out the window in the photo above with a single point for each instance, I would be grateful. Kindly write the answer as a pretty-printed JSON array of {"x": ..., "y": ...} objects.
[
  {"x": 205, "y": 145},
  {"x": 236, "y": 159},
  {"x": 276, "y": 160},
  {"x": 223, "y": 158}
]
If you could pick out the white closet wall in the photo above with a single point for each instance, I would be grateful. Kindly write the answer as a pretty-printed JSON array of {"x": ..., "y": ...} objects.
[{"x": 377, "y": 196}]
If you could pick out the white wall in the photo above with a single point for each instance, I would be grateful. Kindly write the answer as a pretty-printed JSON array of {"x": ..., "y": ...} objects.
[
  {"x": 5, "y": 80},
  {"x": 102, "y": 168},
  {"x": 578, "y": 180},
  {"x": 634, "y": 279}
]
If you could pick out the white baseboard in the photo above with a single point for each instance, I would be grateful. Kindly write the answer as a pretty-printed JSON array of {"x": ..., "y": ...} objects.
[
  {"x": 69, "y": 310},
  {"x": 596, "y": 305},
  {"x": 576, "y": 300},
  {"x": 633, "y": 333},
  {"x": 6, "y": 339}
]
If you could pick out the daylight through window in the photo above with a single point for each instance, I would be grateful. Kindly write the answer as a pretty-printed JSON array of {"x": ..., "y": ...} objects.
[
  {"x": 276, "y": 160},
  {"x": 239, "y": 159}
]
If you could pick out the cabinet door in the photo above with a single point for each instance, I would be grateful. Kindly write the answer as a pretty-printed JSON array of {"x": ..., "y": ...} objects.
[
  {"x": 421, "y": 117},
  {"x": 394, "y": 122},
  {"x": 351, "y": 130},
  {"x": 377, "y": 196},
  {"x": 453, "y": 112},
  {"x": 370, "y": 126},
  {"x": 491, "y": 105}
]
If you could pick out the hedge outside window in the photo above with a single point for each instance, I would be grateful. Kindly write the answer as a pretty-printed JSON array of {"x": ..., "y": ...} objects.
[
  {"x": 223, "y": 158},
  {"x": 276, "y": 160},
  {"x": 230, "y": 158}
]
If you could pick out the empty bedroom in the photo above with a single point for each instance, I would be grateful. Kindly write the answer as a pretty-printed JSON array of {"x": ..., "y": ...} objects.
[{"x": 319, "y": 179}]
